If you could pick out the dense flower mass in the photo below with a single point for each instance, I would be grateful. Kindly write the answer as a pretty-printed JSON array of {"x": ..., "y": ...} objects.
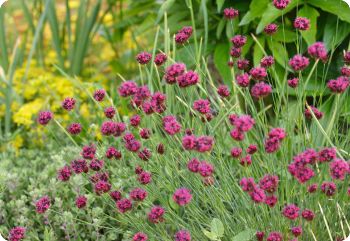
[
  {"x": 338, "y": 85},
  {"x": 140, "y": 237},
  {"x": 143, "y": 57},
  {"x": 160, "y": 59},
  {"x": 271, "y": 29},
  {"x": 281, "y": 4},
  {"x": 183, "y": 35},
  {"x": 318, "y": 114},
  {"x": 43, "y": 204},
  {"x": 258, "y": 73},
  {"x": 156, "y": 214},
  {"x": 291, "y": 211},
  {"x": 68, "y": 103},
  {"x": 99, "y": 95},
  {"x": 81, "y": 202},
  {"x": 230, "y": 13},
  {"x": 182, "y": 235},
  {"x": 302, "y": 23},
  {"x": 74, "y": 128},
  {"x": 17, "y": 233},
  {"x": 182, "y": 196},
  {"x": 299, "y": 62},
  {"x": 261, "y": 90},
  {"x": 318, "y": 51},
  {"x": 45, "y": 117}
]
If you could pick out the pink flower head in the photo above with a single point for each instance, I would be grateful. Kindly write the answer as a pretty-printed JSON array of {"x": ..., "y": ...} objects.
[
  {"x": 143, "y": 57},
  {"x": 74, "y": 128},
  {"x": 173, "y": 71},
  {"x": 339, "y": 169},
  {"x": 239, "y": 41},
  {"x": 246, "y": 160},
  {"x": 327, "y": 154},
  {"x": 17, "y": 233},
  {"x": 345, "y": 71},
  {"x": 135, "y": 120},
  {"x": 272, "y": 144},
  {"x": 68, "y": 103},
  {"x": 230, "y": 13},
  {"x": 302, "y": 23},
  {"x": 140, "y": 237},
  {"x": 45, "y": 117},
  {"x": 271, "y": 29},
  {"x": 242, "y": 64},
  {"x": 205, "y": 169},
  {"x": 293, "y": 83},
  {"x": 138, "y": 194},
  {"x": 145, "y": 154},
  {"x": 43, "y": 204},
  {"x": 109, "y": 128},
  {"x": 156, "y": 214},
  {"x": 299, "y": 62},
  {"x": 115, "y": 195},
  {"x": 230, "y": 63},
  {"x": 182, "y": 196},
  {"x": 160, "y": 148},
  {"x": 144, "y": 177},
  {"x": 80, "y": 202},
  {"x": 312, "y": 188},
  {"x": 257, "y": 195},
  {"x": 243, "y": 80},
  {"x": 171, "y": 125},
  {"x": 318, "y": 51},
  {"x": 269, "y": 183},
  {"x": 261, "y": 90},
  {"x": 99, "y": 95},
  {"x": 64, "y": 174},
  {"x": 280, "y": 4},
  {"x": 189, "y": 142},
  {"x": 204, "y": 143},
  {"x": 244, "y": 123},
  {"x": 279, "y": 133},
  {"x": 259, "y": 235},
  {"x": 247, "y": 184},
  {"x": 96, "y": 164},
  {"x": 237, "y": 134},
  {"x": 328, "y": 188},
  {"x": 258, "y": 73},
  {"x": 307, "y": 214},
  {"x": 252, "y": 149},
  {"x": 112, "y": 152},
  {"x": 193, "y": 165},
  {"x": 124, "y": 205},
  {"x": 236, "y": 152},
  {"x": 182, "y": 235},
  {"x": 145, "y": 133},
  {"x": 338, "y": 85},
  {"x": 275, "y": 236},
  {"x": 296, "y": 231},
  {"x": 318, "y": 114},
  {"x": 187, "y": 79},
  {"x": 127, "y": 88},
  {"x": 291, "y": 211},
  {"x": 109, "y": 112},
  {"x": 183, "y": 35},
  {"x": 347, "y": 57},
  {"x": 202, "y": 106},
  {"x": 88, "y": 151},
  {"x": 235, "y": 52},
  {"x": 223, "y": 91},
  {"x": 102, "y": 187},
  {"x": 267, "y": 61},
  {"x": 160, "y": 59},
  {"x": 271, "y": 200},
  {"x": 79, "y": 166}
]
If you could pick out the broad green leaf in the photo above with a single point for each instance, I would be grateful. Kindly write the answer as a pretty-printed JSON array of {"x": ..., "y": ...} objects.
[
  {"x": 245, "y": 235},
  {"x": 221, "y": 57},
  {"x": 247, "y": 47},
  {"x": 210, "y": 235},
  {"x": 335, "y": 32},
  {"x": 220, "y": 3},
  {"x": 220, "y": 28},
  {"x": 173, "y": 204},
  {"x": 247, "y": 18},
  {"x": 165, "y": 6},
  {"x": 336, "y": 7},
  {"x": 279, "y": 52},
  {"x": 287, "y": 36},
  {"x": 272, "y": 13},
  {"x": 217, "y": 227},
  {"x": 258, "y": 52},
  {"x": 257, "y": 7},
  {"x": 312, "y": 14}
]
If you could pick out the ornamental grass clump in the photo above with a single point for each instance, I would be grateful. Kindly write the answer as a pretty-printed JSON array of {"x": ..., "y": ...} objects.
[{"x": 202, "y": 160}]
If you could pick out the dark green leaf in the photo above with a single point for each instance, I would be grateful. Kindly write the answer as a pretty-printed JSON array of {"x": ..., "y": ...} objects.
[
  {"x": 312, "y": 14},
  {"x": 221, "y": 57},
  {"x": 272, "y": 13},
  {"x": 336, "y": 7},
  {"x": 279, "y": 52},
  {"x": 258, "y": 52},
  {"x": 335, "y": 32}
]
